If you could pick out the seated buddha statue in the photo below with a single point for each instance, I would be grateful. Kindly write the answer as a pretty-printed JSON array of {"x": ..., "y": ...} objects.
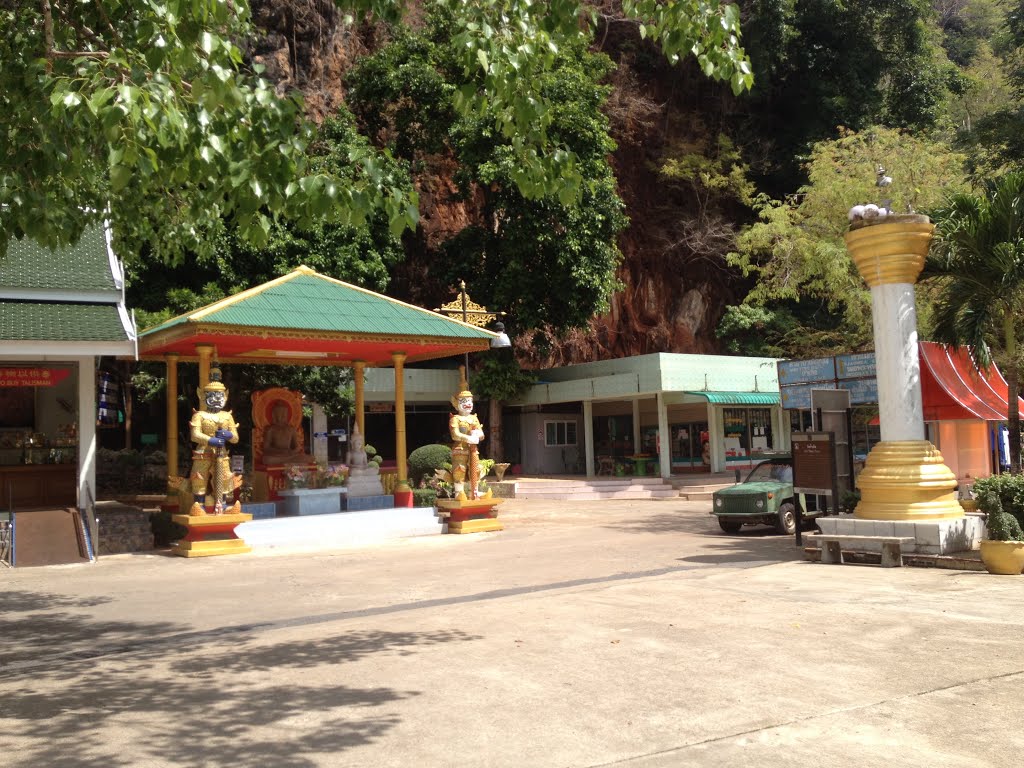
[{"x": 281, "y": 444}]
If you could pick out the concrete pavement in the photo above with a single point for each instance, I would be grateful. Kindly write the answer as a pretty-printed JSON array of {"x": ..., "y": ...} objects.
[{"x": 584, "y": 634}]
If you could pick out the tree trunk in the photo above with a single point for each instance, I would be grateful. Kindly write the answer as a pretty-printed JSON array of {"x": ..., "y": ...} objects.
[{"x": 497, "y": 444}]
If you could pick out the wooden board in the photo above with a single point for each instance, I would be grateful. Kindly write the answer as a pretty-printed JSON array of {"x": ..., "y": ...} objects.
[{"x": 48, "y": 537}]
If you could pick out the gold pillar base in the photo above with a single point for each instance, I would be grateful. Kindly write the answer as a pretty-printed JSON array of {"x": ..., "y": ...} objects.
[{"x": 906, "y": 480}]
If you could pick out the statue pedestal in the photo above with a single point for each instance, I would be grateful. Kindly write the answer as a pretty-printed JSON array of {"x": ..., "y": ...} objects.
[
  {"x": 470, "y": 516},
  {"x": 210, "y": 535},
  {"x": 364, "y": 481}
]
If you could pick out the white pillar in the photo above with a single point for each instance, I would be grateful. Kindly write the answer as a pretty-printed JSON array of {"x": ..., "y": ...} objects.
[
  {"x": 717, "y": 439},
  {"x": 86, "y": 430},
  {"x": 664, "y": 439},
  {"x": 319, "y": 424},
  {"x": 897, "y": 363},
  {"x": 588, "y": 436},
  {"x": 780, "y": 430},
  {"x": 636, "y": 426}
]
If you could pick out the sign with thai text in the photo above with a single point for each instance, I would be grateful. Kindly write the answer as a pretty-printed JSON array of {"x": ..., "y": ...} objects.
[
  {"x": 860, "y": 366},
  {"x": 813, "y": 463},
  {"x": 806, "y": 371},
  {"x": 32, "y": 377}
]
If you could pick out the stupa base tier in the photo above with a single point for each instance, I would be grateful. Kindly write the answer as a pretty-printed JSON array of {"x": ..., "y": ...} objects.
[
  {"x": 473, "y": 516},
  {"x": 907, "y": 480}
]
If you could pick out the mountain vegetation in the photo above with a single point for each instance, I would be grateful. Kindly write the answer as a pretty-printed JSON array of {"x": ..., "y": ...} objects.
[{"x": 619, "y": 176}]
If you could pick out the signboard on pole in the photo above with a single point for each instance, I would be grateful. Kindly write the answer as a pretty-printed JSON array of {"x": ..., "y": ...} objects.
[{"x": 814, "y": 463}]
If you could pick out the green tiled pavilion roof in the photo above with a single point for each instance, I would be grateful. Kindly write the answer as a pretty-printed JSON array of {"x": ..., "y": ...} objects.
[
  {"x": 55, "y": 321},
  {"x": 740, "y": 398},
  {"x": 307, "y": 301},
  {"x": 84, "y": 266}
]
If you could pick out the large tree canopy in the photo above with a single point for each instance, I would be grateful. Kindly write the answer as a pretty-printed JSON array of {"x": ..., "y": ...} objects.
[{"x": 147, "y": 113}]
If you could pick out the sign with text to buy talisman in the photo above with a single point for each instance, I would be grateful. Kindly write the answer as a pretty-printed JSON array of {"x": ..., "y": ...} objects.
[{"x": 32, "y": 377}]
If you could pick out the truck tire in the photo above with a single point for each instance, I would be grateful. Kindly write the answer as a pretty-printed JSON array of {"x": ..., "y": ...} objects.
[
  {"x": 729, "y": 526},
  {"x": 786, "y": 522}
]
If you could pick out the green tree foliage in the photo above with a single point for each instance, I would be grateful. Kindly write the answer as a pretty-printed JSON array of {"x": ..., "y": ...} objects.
[
  {"x": 147, "y": 113},
  {"x": 543, "y": 256},
  {"x": 360, "y": 254},
  {"x": 795, "y": 251},
  {"x": 996, "y": 138},
  {"x": 978, "y": 265},
  {"x": 820, "y": 64}
]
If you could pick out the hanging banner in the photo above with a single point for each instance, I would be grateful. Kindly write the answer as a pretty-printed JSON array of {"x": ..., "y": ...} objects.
[{"x": 32, "y": 377}]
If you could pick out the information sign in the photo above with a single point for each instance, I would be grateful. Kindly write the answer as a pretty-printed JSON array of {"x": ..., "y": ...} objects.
[
  {"x": 860, "y": 366},
  {"x": 32, "y": 377},
  {"x": 813, "y": 463},
  {"x": 799, "y": 397},
  {"x": 806, "y": 371},
  {"x": 862, "y": 391}
]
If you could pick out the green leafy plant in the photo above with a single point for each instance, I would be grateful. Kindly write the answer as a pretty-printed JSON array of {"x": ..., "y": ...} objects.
[
  {"x": 426, "y": 459},
  {"x": 372, "y": 455},
  {"x": 848, "y": 501},
  {"x": 424, "y": 497},
  {"x": 1001, "y": 498}
]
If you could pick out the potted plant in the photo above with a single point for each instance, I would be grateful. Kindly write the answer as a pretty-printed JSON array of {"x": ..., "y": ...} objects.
[{"x": 1001, "y": 498}]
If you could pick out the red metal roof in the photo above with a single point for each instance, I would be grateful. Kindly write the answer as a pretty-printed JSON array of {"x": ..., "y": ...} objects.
[{"x": 952, "y": 388}]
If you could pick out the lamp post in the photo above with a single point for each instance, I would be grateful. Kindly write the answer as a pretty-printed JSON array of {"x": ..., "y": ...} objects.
[{"x": 472, "y": 313}]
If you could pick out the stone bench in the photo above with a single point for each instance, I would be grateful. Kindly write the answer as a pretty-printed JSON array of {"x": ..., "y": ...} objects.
[{"x": 832, "y": 551}]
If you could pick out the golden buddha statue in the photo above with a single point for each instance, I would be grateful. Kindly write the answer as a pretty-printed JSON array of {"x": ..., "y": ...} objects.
[{"x": 281, "y": 444}]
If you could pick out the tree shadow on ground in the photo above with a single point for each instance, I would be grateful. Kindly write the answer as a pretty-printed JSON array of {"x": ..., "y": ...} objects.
[
  {"x": 756, "y": 543},
  {"x": 213, "y": 706}
]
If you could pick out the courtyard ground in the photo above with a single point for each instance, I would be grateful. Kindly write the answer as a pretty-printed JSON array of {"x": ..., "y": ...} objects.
[{"x": 628, "y": 633}]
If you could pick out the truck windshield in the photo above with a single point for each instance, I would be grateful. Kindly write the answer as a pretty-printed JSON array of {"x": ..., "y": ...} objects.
[{"x": 771, "y": 471}]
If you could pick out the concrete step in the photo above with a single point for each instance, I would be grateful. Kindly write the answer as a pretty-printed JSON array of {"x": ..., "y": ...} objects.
[
  {"x": 668, "y": 493},
  {"x": 346, "y": 529},
  {"x": 698, "y": 496}
]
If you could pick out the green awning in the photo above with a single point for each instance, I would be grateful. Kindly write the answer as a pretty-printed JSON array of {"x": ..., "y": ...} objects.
[{"x": 739, "y": 398}]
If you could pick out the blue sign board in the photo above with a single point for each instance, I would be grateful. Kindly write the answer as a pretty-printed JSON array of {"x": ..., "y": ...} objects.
[
  {"x": 862, "y": 391},
  {"x": 799, "y": 397},
  {"x": 860, "y": 366},
  {"x": 807, "y": 371}
]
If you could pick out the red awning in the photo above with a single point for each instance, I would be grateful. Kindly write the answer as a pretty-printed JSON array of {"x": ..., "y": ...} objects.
[{"x": 952, "y": 388}]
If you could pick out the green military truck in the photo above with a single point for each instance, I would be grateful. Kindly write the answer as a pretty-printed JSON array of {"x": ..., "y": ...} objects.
[{"x": 764, "y": 498}]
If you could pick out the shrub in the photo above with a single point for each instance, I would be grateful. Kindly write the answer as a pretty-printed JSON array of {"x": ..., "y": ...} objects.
[
  {"x": 424, "y": 497},
  {"x": 1001, "y": 498},
  {"x": 427, "y": 458}
]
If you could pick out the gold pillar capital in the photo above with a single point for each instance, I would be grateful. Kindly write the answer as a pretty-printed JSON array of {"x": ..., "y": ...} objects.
[{"x": 891, "y": 251}]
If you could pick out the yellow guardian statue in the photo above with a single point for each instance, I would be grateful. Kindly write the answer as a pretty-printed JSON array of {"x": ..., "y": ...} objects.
[
  {"x": 467, "y": 432},
  {"x": 212, "y": 429}
]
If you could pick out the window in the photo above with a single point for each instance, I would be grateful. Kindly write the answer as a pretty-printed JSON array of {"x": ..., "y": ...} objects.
[{"x": 558, "y": 433}]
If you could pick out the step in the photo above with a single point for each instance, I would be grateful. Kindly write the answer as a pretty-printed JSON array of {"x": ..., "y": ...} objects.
[
  {"x": 601, "y": 495},
  {"x": 341, "y": 530}
]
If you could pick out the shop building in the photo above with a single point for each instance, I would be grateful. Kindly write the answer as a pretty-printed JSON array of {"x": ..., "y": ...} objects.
[
  {"x": 709, "y": 413},
  {"x": 60, "y": 310}
]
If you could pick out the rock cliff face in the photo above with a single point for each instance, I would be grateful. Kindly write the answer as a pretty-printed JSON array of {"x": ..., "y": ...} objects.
[{"x": 674, "y": 283}]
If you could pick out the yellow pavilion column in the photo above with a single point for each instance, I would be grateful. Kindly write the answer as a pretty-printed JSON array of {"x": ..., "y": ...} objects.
[
  {"x": 205, "y": 352},
  {"x": 400, "y": 448},
  {"x": 359, "y": 377},
  {"x": 904, "y": 477},
  {"x": 172, "y": 415}
]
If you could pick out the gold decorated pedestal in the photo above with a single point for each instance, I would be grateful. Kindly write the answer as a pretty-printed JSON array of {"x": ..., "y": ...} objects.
[
  {"x": 906, "y": 480},
  {"x": 199, "y": 541},
  {"x": 474, "y": 516}
]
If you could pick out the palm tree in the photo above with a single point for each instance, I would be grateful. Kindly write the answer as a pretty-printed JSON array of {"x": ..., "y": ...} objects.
[{"x": 977, "y": 263}]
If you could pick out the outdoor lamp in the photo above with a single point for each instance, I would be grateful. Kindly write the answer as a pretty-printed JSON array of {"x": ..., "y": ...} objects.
[{"x": 501, "y": 341}]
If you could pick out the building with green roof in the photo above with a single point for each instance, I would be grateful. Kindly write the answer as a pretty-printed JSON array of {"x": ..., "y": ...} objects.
[{"x": 60, "y": 310}]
